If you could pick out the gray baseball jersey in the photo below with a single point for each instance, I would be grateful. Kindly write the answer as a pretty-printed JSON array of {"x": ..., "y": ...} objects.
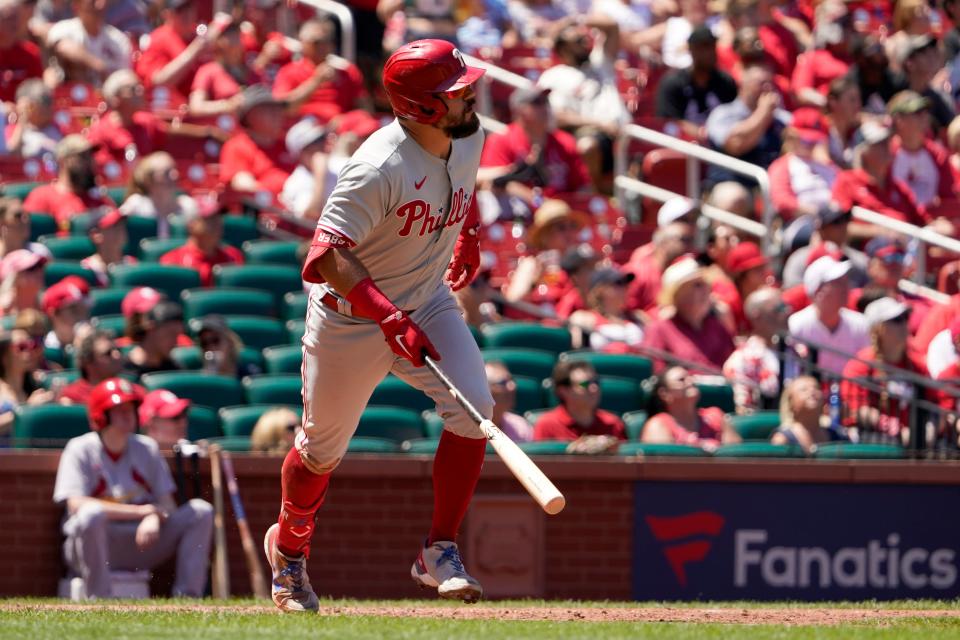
[{"x": 139, "y": 476}]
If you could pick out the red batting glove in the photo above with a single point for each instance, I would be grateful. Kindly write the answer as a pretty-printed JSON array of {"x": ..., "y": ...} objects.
[
  {"x": 403, "y": 336},
  {"x": 466, "y": 259}
]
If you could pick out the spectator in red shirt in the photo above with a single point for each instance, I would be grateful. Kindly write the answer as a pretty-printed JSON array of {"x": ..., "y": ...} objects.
[
  {"x": 578, "y": 263},
  {"x": 154, "y": 334},
  {"x": 532, "y": 154},
  {"x": 578, "y": 416},
  {"x": 748, "y": 270},
  {"x": 920, "y": 162},
  {"x": 670, "y": 241},
  {"x": 320, "y": 83},
  {"x": 885, "y": 270},
  {"x": 831, "y": 59},
  {"x": 176, "y": 48},
  {"x": 688, "y": 328},
  {"x": 217, "y": 85},
  {"x": 256, "y": 158},
  {"x": 75, "y": 189},
  {"x": 204, "y": 249},
  {"x": 21, "y": 57},
  {"x": 676, "y": 419},
  {"x": 98, "y": 358},
  {"x": 266, "y": 47},
  {"x": 68, "y": 308},
  {"x": 108, "y": 233}
]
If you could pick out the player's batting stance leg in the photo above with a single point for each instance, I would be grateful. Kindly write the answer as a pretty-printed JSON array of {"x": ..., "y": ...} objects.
[{"x": 398, "y": 224}]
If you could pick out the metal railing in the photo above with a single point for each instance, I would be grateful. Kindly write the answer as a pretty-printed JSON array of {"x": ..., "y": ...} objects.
[
  {"x": 493, "y": 74},
  {"x": 348, "y": 31}
]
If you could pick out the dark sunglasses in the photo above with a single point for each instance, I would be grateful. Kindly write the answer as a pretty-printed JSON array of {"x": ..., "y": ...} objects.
[
  {"x": 30, "y": 344},
  {"x": 586, "y": 384},
  {"x": 893, "y": 258}
]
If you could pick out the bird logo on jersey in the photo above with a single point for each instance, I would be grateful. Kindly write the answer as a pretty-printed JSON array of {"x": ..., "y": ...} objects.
[{"x": 421, "y": 211}]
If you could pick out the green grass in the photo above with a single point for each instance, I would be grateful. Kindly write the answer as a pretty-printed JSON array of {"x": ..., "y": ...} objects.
[{"x": 240, "y": 620}]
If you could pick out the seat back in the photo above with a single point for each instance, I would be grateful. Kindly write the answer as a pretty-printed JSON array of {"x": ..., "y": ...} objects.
[
  {"x": 273, "y": 389},
  {"x": 756, "y": 426},
  {"x": 68, "y": 247},
  {"x": 240, "y": 420},
  {"x": 274, "y": 278},
  {"x": 294, "y": 306},
  {"x": 237, "y": 229},
  {"x": 254, "y": 331},
  {"x": 523, "y": 362},
  {"x": 284, "y": 359},
  {"x": 191, "y": 358},
  {"x": 391, "y": 423},
  {"x": 57, "y": 270},
  {"x": 227, "y": 301},
  {"x": 622, "y": 365},
  {"x": 272, "y": 252},
  {"x": 529, "y": 335},
  {"x": 202, "y": 424},
  {"x": 107, "y": 301},
  {"x": 168, "y": 279},
  {"x": 393, "y": 391},
  {"x": 48, "y": 426},
  {"x": 202, "y": 389},
  {"x": 152, "y": 249}
]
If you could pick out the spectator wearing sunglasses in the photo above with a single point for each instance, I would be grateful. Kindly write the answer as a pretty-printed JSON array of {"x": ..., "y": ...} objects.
[
  {"x": 221, "y": 349},
  {"x": 885, "y": 413},
  {"x": 154, "y": 334},
  {"x": 503, "y": 388},
  {"x": 154, "y": 192},
  {"x": 19, "y": 353},
  {"x": 884, "y": 272},
  {"x": 275, "y": 431},
  {"x": 676, "y": 419},
  {"x": 204, "y": 248},
  {"x": 98, "y": 359},
  {"x": 21, "y": 278},
  {"x": 163, "y": 417},
  {"x": 68, "y": 308},
  {"x": 578, "y": 388}
]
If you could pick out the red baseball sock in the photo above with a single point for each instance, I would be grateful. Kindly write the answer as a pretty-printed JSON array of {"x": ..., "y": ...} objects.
[
  {"x": 303, "y": 493},
  {"x": 456, "y": 469}
]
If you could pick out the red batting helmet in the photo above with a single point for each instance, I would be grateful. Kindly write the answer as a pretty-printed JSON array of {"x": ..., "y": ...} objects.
[
  {"x": 418, "y": 71},
  {"x": 110, "y": 393}
]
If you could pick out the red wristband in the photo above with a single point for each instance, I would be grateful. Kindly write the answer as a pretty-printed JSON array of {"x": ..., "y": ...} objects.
[{"x": 367, "y": 301}]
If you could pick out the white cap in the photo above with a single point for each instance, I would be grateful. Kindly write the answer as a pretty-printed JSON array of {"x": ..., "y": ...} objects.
[
  {"x": 674, "y": 209},
  {"x": 884, "y": 309},
  {"x": 822, "y": 271},
  {"x": 303, "y": 134}
]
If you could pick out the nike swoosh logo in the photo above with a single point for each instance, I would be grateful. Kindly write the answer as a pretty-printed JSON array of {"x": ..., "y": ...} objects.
[
  {"x": 403, "y": 347},
  {"x": 417, "y": 185}
]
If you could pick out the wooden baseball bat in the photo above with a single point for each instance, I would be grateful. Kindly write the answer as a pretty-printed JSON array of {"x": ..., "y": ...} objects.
[
  {"x": 221, "y": 577},
  {"x": 257, "y": 579},
  {"x": 529, "y": 474}
]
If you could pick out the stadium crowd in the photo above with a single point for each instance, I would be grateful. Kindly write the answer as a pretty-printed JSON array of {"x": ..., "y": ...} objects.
[{"x": 143, "y": 133}]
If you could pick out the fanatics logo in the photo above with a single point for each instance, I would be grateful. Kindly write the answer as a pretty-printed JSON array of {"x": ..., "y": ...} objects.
[{"x": 675, "y": 530}]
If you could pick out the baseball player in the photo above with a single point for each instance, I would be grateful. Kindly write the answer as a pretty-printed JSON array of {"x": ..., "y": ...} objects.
[{"x": 383, "y": 273}]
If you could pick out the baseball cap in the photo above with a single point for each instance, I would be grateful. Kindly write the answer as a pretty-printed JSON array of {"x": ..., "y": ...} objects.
[
  {"x": 702, "y": 35},
  {"x": 19, "y": 261},
  {"x": 824, "y": 249},
  {"x": 675, "y": 209},
  {"x": 105, "y": 217},
  {"x": 140, "y": 300},
  {"x": 303, "y": 134},
  {"x": 822, "y": 271},
  {"x": 831, "y": 214},
  {"x": 60, "y": 295},
  {"x": 577, "y": 257},
  {"x": 809, "y": 124},
  {"x": 165, "y": 311},
  {"x": 256, "y": 96},
  {"x": 72, "y": 145},
  {"x": 683, "y": 270},
  {"x": 873, "y": 133},
  {"x": 162, "y": 403},
  {"x": 885, "y": 248},
  {"x": 608, "y": 275},
  {"x": 745, "y": 256},
  {"x": 907, "y": 102},
  {"x": 526, "y": 95},
  {"x": 884, "y": 310},
  {"x": 201, "y": 207},
  {"x": 212, "y": 322},
  {"x": 915, "y": 44}
]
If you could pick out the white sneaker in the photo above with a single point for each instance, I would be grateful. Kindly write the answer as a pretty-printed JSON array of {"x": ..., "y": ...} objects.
[
  {"x": 439, "y": 567},
  {"x": 290, "y": 587}
]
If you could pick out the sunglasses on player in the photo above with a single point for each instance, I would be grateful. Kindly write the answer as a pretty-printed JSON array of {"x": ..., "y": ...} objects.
[{"x": 456, "y": 93}]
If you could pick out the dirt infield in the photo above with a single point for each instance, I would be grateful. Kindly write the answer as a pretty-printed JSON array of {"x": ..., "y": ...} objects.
[{"x": 805, "y": 616}]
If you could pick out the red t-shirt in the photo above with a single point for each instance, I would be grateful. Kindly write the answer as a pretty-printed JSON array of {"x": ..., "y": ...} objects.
[
  {"x": 796, "y": 297},
  {"x": 726, "y": 291},
  {"x": 190, "y": 256},
  {"x": 20, "y": 62},
  {"x": 214, "y": 80},
  {"x": 63, "y": 205},
  {"x": 145, "y": 133},
  {"x": 950, "y": 375},
  {"x": 331, "y": 98},
  {"x": 894, "y": 199},
  {"x": 710, "y": 430},
  {"x": 557, "y": 424},
  {"x": 565, "y": 169},
  {"x": 940, "y": 317},
  {"x": 253, "y": 47},
  {"x": 947, "y": 179},
  {"x": 165, "y": 45},
  {"x": 77, "y": 391},
  {"x": 919, "y": 307},
  {"x": 890, "y": 405},
  {"x": 643, "y": 292},
  {"x": 817, "y": 69},
  {"x": 711, "y": 345},
  {"x": 271, "y": 166}
]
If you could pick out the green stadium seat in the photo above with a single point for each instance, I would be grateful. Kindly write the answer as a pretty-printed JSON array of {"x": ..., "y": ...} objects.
[
  {"x": 421, "y": 445},
  {"x": 477, "y": 336},
  {"x": 654, "y": 450},
  {"x": 274, "y": 278},
  {"x": 272, "y": 252},
  {"x": 138, "y": 228},
  {"x": 191, "y": 359},
  {"x": 391, "y": 423},
  {"x": 53, "y": 379},
  {"x": 295, "y": 329},
  {"x": 286, "y": 359},
  {"x": 41, "y": 224},
  {"x": 48, "y": 426},
  {"x": 55, "y": 355},
  {"x": 114, "y": 324},
  {"x": 366, "y": 444},
  {"x": 544, "y": 448},
  {"x": 236, "y": 444},
  {"x": 859, "y": 451},
  {"x": 618, "y": 395},
  {"x": 523, "y": 362},
  {"x": 202, "y": 424},
  {"x": 433, "y": 423},
  {"x": 20, "y": 190},
  {"x": 527, "y": 335},
  {"x": 717, "y": 395},
  {"x": 529, "y": 393},
  {"x": 240, "y": 420},
  {"x": 57, "y": 270},
  {"x": 394, "y": 392},
  {"x": 758, "y": 450},
  {"x": 255, "y": 331},
  {"x": 107, "y": 301},
  {"x": 295, "y": 305},
  {"x": 621, "y": 365},
  {"x": 237, "y": 229},
  {"x": 756, "y": 426},
  {"x": 267, "y": 389},
  {"x": 633, "y": 421},
  {"x": 532, "y": 415},
  {"x": 68, "y": 247},
  {"x": 168, "y": 279},
  {"x": 226, "y": 300},
  {"x": 117, "y": 194},
  {"x": 152, "y": 249},
  {"x": 202, "y": 389}
]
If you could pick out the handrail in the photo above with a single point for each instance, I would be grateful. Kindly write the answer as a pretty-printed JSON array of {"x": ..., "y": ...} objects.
[
  {"x": 923, "y": 235},
  {"x": 491, "y": 124},
  {"x": 348, "y": 31},
  {"x": 493, "y": 74},
  {"x": 694, "y": 151},
  {"x": 921, "y": 291},
  {"x": 739, "y": 223}
]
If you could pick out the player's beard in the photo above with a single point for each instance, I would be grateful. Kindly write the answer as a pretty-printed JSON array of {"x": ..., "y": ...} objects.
[{"x": 465, "y": 128}]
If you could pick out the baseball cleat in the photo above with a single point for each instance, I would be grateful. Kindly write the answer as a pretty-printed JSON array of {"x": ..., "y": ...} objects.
[
  {"x": 290, "y": 587},
  {"x": 439, "y": 567}
]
